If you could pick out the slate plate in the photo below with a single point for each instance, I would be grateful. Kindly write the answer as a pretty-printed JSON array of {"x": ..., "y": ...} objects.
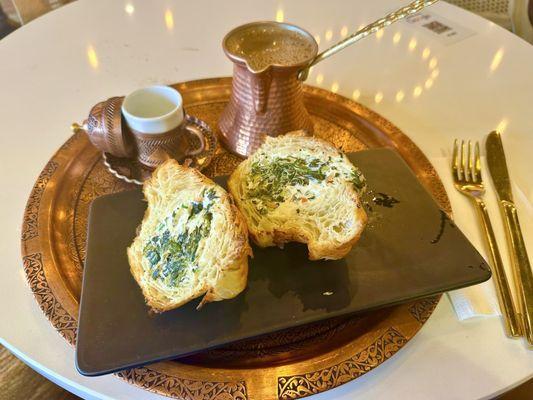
[{"x": 410, "y": 249}]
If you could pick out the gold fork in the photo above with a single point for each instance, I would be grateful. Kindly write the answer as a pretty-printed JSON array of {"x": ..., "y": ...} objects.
[{"x": 466, "y": 169}]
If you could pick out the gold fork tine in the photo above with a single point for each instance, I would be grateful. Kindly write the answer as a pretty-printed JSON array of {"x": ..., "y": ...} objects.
[
  {"x": 477, "y": 163},
  {"x": 464, "y": 167},
  {"x": 471, "y": 162},
  {"x": 455, "y": 162}
]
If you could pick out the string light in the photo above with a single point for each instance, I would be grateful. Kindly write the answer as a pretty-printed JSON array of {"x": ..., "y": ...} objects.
[
  {"x": 496, "y": 60},
  {"x": 400, "y": 95},
  {"x": 280, "y": 15},
  {"x": 502, "y": 125},
  {"x": 169, "y": 20},
  {"x": 129, "y": 8},
  {"x": 92, "y": 57},
  {"x": 344, "y": 31},
  {"x": 396, "y": 38}
]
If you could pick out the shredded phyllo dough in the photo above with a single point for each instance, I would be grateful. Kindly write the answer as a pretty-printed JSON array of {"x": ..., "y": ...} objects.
[
  {"x": 299, "y": 188},
  {"x": 192, "y": 242}
]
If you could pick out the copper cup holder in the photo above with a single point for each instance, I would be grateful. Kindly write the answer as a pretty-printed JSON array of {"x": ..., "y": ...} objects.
[{"x": 126, "y": 156}]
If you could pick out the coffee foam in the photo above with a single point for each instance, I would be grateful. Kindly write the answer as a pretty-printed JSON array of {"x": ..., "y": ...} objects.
[{"x": 262, "y": 47}]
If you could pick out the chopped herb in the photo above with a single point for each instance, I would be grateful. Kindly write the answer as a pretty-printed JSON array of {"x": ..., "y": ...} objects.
[
  {"x": 211, "y": 194},
  {"x": 171, "y": 256},
  {"x": 268, "y": 181},
  {"x": 196, "y": 207},
  {"x": 165, "y": 238},
  {"x": 153, "y": 256},
  {"x": 358, "y": 180}
]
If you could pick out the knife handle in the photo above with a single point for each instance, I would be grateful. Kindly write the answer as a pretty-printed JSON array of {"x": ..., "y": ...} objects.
[
  {"x": 523, "y": 276},
  {"x": 503, "y": 291}
]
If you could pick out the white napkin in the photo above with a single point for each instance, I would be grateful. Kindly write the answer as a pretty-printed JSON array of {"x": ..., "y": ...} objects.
[{"x": 475, "y": 301}]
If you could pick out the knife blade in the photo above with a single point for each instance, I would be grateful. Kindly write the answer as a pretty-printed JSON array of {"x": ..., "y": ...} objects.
[
  {"x": 523, "y": 276},
  {"x": 498, "y": 166}
]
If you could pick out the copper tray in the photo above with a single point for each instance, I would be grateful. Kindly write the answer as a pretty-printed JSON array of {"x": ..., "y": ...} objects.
[{"x": 287, "y": 365}]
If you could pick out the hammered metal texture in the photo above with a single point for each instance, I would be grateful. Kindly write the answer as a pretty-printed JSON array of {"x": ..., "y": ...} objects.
[
  {"x": 288, "y": 364},
  {"x": 268, "y": 103}
]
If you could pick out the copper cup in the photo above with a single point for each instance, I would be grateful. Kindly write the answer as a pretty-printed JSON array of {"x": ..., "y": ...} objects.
[
  {"x": 266, "y": 98},
  {"x": 156, "y": 119}
]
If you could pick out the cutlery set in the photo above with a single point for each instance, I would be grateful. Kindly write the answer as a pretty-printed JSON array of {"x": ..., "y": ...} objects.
[{"x": 467, "y": 176}]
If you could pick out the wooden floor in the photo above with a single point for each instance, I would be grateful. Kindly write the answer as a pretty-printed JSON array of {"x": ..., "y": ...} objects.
[
  {"x": 5, "y": 27},
  {"x": 20, "y": 382}
]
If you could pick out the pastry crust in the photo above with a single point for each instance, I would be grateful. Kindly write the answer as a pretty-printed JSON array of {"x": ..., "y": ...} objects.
[
  {"x": 318, "y": 203},
  {"x": 219, "y": 268}
]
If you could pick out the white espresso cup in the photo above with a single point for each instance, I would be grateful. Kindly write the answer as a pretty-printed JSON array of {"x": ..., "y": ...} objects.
[
  {"x": 156, "y": 118},
  {"x": 155, "y": 109}
]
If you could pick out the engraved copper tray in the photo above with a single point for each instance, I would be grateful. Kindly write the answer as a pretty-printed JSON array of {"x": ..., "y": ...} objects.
[{"x": 286, "y": 365}]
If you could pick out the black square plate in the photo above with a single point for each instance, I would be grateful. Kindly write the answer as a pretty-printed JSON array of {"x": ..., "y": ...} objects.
[{"x": 410, "y": 249}]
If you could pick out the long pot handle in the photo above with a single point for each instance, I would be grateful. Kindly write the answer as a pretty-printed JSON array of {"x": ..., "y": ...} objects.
[{"x": 375, "y": 26}]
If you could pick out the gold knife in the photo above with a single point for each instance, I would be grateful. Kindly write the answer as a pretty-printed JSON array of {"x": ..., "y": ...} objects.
[{"x": 523, "y": 276}]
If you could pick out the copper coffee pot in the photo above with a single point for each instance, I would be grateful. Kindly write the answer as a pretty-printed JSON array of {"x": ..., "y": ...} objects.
[
  {"x": 265, "y": 99},
  {"x": 267, "y": 92}
]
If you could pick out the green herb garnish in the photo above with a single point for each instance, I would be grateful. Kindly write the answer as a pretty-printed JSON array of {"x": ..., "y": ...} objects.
[
  {"x": 356, "y": 177},
  {"x": 153, "y": 256},
  {"x": 268, "y": 181},
  {"x": 170, "y": 257}
]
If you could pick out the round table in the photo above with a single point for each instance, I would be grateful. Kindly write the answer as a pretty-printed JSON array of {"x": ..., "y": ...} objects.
[{"x": 434, "y": 87}]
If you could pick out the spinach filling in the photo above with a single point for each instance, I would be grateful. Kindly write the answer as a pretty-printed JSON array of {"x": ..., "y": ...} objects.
[
  {"x": 267, "y": 182},
  {"x": 171, "y": 256}
]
